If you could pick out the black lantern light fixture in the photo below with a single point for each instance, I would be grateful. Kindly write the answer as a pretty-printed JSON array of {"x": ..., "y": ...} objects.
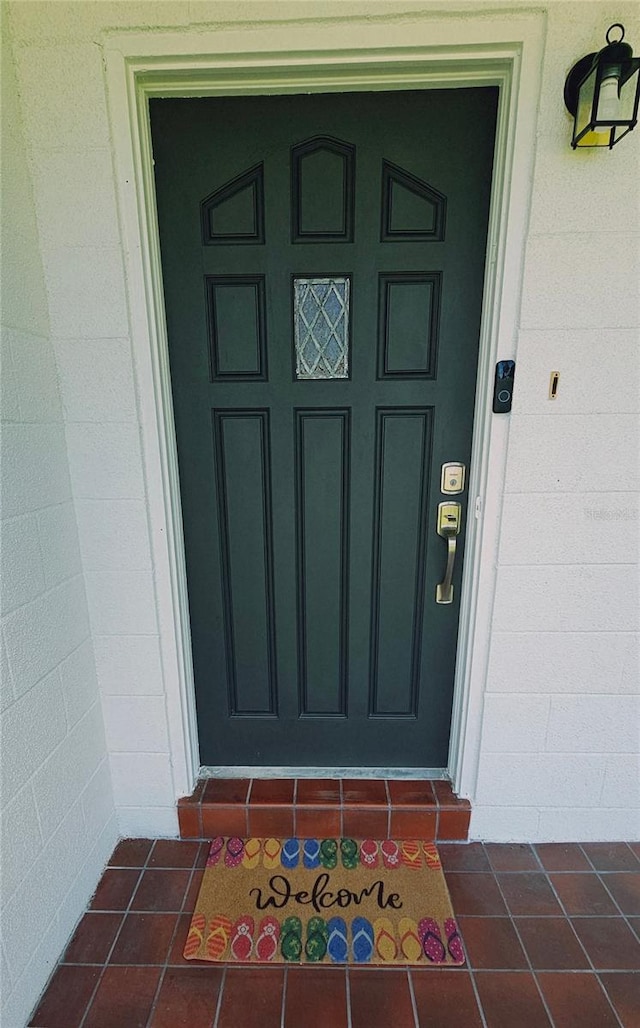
[{"x": 602, "y": 92}]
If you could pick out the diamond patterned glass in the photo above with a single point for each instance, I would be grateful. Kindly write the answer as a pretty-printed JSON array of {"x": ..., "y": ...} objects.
[{"x": 321, "y": 320}]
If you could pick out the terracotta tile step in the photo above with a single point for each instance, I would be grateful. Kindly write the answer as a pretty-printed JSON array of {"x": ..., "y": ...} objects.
[{"x": 400, "y": 809}]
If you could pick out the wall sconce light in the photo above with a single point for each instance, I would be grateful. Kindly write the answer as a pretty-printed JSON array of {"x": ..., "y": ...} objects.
[{"x": 602, "y": 92}]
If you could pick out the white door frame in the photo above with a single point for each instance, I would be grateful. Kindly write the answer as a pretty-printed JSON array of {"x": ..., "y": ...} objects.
[{"x": 408, "y": 51}]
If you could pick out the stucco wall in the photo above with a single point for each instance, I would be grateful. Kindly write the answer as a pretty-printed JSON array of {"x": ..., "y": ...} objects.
[
  {"x": 58, "y": 818},
  {"x": 559, "y": 754}
]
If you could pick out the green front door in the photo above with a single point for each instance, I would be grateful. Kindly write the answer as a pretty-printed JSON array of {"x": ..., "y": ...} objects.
[{"x": 323, "y": 261}]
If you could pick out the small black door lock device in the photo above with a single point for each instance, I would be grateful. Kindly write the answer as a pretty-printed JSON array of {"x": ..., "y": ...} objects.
[{"x": 503, "y": 387}]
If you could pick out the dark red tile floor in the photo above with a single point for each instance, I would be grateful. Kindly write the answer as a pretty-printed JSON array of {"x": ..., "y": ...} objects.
[{"x": 552, "y": 935}]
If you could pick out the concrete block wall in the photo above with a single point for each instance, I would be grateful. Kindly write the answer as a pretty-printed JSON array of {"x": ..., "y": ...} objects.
[
  {"x": 69, "y": 145},
  {"x": 58, "y": 816},
  {"x": 561, "y": 729},
  {"x": 565, "y": 621}
]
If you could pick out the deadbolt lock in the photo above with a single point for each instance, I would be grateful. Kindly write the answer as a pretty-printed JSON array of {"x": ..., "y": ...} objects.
[{"x": 452, "y": 478}]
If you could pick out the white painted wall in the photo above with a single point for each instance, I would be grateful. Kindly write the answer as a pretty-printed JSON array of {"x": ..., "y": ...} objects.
[
  {"x": 561, "y": 727},
  {"x": 65, "y": 115},
  {"x": 58, "y": 818},
  {"x": 563, "y": 663}
]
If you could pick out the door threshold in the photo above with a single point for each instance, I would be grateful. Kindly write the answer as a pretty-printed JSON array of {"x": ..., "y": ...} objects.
[
  {"x": 385, "y": 773},
  {"x": 292, "y": 807}
]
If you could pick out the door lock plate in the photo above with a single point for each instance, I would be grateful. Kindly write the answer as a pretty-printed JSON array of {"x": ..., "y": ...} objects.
[
  {"x": 452, "y": 478},
  {"x": 448, "y": 519}
]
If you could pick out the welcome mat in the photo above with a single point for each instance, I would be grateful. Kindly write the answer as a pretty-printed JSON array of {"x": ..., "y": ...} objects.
[{"x": 324, "y": 901}]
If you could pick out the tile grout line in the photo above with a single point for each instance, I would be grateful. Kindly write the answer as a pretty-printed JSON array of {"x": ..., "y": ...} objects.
[
  {"x": 283, "y": 1005},
  {"x": 602, "y": 877},
  {"x": 348, "y": 997},
  {"x": 522, "y": 945},
  {"x": 582, "y": 947},
  {"x": 602, "y": 880},
  {"x": 388, "y": 795},
  {"x": 624, "y": 843},
  {"x": 413, "y": 998},
  {"x": 476, "y": 993},
  {"x": 625, "y": 917},
  {"x": 117, "y": 935},
  {"x": 247, "y": 811},
  {"x": 175, "y": 931},
  {"x": 216, "y": 1016},
  {"x": 156, "y": 997},
  {"x": 393, "y": 969}
]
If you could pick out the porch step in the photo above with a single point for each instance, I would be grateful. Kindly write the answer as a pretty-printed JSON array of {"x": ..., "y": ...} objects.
[{"x": 303, "y": 807}]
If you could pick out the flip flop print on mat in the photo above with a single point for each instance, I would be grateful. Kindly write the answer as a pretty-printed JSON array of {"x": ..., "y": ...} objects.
[
  {"x": 317, "y": 938},
  {"x": 290, "y": 855},
  {"x": 338, "y": 945},
  {"x": 431, "y": 856},
  {"x": 242, "y": 937},
  {"x": 271, "y": 853},
  {"x": 431, "y": 939},
  {"x": 329, "y": 854},
  {"x": 235, "y": 852},
  {"x": 410, "y": 944},
  {"x": 386, "y": 945},
  {"x": 411, "y": 856},
  {"x": 390, "y": 854},
  {"x": 291, "y": 939},
  {"x": 350, "y": 854},
  {"x": 218, "y": 937},
  {"x": 252, "y": 852},
  {"x": 369, "y": 855},
  {"x": 311, "y": 854},
  {"x": 195, "y": 938},
  {"x": 267, "y": 941},
  {"x": 362, "y": 945},
  {"x": 454, "y": 942},
  {"x": 215, "y": 851}
]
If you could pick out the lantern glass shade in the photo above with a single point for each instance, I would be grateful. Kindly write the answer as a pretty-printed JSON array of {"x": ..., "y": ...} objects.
[
  {"x": 584, "y": 133},
  {"x": 629, "y": 93},
  {"x": 606, "y": 101}
]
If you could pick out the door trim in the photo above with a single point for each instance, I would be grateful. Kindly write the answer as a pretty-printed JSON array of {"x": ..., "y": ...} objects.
[{"x": 337, "y": 55}]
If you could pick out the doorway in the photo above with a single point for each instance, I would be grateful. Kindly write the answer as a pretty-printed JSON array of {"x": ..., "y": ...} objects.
[{"x": 323, "y": 262}]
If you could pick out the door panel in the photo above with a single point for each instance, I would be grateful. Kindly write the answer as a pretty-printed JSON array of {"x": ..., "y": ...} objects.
[
  {"x": 246, "y": 544},
  {"x": 322, "y": 573},
  {"x": 323, "y": 261},
  {"x": 403, "y": 450}
]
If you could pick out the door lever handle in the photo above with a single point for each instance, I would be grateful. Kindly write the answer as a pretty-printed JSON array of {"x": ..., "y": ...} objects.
[{"x": 449, "y": 516}]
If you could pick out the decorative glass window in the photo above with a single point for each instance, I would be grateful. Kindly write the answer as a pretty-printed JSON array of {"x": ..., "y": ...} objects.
[{"x": 321, "y": 324}]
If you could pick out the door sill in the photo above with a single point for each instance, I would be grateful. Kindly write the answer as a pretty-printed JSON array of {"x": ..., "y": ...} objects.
[
  {"x": 385, "y": 773},
  {"x": 327, "y": 808}
]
